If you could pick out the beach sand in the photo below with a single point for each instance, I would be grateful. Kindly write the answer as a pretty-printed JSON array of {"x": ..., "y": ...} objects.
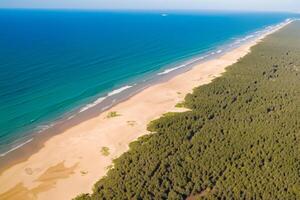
[{"x": 71, "y": 162}]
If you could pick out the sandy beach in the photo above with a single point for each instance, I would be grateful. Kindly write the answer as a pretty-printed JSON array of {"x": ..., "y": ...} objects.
[{"x": 71, "y": 162}]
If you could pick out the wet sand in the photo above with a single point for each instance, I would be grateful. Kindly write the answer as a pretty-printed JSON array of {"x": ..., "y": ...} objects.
[{"x": 69, "y": 163}]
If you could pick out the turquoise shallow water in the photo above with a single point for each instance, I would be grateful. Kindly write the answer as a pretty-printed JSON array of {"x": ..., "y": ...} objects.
[{"x": 53, "y": 62}]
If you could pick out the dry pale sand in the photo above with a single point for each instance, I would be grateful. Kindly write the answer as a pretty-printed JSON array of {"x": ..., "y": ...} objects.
[{"x": 71, "y": 162}]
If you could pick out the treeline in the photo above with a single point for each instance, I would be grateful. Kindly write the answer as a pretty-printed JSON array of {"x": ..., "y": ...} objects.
[{"x": 241, "y": 139}]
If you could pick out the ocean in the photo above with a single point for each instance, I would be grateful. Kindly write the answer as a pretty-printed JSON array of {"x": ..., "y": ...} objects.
[{"x": 55, "y": 64}]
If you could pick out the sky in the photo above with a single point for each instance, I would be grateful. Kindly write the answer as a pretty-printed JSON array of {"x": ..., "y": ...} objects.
[{"x": 242, "y": 5}]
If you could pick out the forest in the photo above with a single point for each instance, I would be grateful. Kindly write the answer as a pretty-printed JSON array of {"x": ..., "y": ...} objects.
[{"x": 240, "y": 139}]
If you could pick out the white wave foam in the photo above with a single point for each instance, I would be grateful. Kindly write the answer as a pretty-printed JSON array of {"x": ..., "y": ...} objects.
[
  {"x": 117, "y": 91},
  {"x": 88, "y": 106},
  {"x": 183, "y": 65},
  {"x": 101, "y": 99},
  {"x": 71, "y": 117},
  {"x": 236, "y": 42},
  {"x": 15, "y": 148},
  {"x": 44, "y": 127},
  {"x": 171, "y": 69}
]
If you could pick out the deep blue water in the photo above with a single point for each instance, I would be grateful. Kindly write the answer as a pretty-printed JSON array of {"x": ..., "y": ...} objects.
[{"x": 52, "y": 62}]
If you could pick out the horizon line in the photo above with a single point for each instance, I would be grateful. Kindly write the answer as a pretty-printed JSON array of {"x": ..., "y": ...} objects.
[{"x": 148, "y": 10}]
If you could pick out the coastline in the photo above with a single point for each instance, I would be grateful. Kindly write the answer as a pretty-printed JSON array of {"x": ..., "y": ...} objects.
[
  {"x": 23, "y": 147},
  {"x": 69, "y": 153}
]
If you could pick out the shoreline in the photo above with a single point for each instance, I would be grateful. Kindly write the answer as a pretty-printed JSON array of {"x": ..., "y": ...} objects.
[
  {"x": 117, "y": 95},
  {"x": 73, "y": 165},
  {"x": 20, "y": 151}
]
